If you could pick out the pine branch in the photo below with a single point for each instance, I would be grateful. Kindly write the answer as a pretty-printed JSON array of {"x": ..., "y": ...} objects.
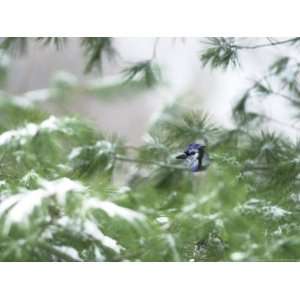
[
  {"x": 57, "y": 41},
  {"x": 144, "y": 71},
  {"x": 15, "y": 45},
  {"x": 95, "y": 49},
  {"x": 149, "y": 162},
  {"x": 223, "y": 52}
]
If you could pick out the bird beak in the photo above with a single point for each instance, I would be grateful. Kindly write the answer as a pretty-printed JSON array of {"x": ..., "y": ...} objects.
[{"x": 181, "y": 156}]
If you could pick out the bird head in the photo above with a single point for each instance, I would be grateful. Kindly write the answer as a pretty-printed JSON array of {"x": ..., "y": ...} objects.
[
  {"x": 193, "y": 156},
  {"x": 192, "y": 150}
]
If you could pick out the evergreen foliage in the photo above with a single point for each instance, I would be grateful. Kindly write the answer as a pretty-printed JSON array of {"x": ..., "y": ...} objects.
[{"x": 60, "y": 200}]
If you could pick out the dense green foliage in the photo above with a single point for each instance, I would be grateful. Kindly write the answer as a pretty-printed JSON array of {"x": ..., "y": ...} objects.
[{"x": 70, "y": 193}]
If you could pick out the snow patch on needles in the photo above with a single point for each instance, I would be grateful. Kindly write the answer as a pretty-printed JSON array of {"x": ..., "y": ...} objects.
[
  {"x": 2, "y": 183},
  {"x": 264, "y": 208},
  {"x": 61, "y": 187},
  {"x": 30, "y": 177},
  {"x": 114, "y": 210},
  {"x": 18, "y": 208},
  {"x": 102, "y": 147},
  {"x": 22, "y": 135},
  {"x": 124, "y": 190},
  {"x": 91, "y": 229},
  {"x": 238, "y": 256},
  {"x": 21, "y": 205},
  {"x": 69, "y": 251},
  {"x": 19, "y": 134},
  {"x": 75, "y": 153},
  {"x": 172, "y": 244},
  {"x": 275, "y": 212},
  {"x": 32, "y": 97}
]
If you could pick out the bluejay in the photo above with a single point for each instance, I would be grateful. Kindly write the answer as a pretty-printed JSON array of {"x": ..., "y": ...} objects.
[{"x": 195, "y": 157}]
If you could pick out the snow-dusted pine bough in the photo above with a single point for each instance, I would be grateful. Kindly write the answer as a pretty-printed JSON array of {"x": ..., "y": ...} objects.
[
  {"x": 60, "y": 200},
  {"x": 70, "y": 193}
]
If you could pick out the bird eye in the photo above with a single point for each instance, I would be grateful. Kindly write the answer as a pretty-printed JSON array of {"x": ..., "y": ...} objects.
[{"x": 192, "y": 152}]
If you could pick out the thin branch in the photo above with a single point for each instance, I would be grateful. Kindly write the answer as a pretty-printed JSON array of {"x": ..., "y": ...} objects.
[
  {"x": 149, "y": 162},
  {"x": 266, "y": 45},
  {"x": 135, "y": 148}
]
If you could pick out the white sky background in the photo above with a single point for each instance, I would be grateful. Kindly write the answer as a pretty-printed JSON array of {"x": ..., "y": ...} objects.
[{"x": 213, "y": 91}]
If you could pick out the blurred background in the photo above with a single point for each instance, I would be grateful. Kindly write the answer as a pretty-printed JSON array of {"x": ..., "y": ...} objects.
[{"x": 128, "y": 111}]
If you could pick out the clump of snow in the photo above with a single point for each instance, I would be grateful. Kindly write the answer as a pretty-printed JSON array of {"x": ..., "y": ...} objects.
[
  {"x": 275, "y": 212},
  {"x": 104, "y": 147},
  {"x": 50, "y": 124},
  {"x": 30, "y": 176},
  {"x": 114, "y": 210},
  {"x": 172, "y": 244},
  {"x": 238, "y": 256},
  {"x": 98, "y": 254},
  {"x": 75, "y": 153},
  {"x": 148, "y": 139},
  {"x": 42, "y": 95},
  {"x": 296, "y": 160},
  {"x": 101, "y": 147},
  {"x": 189, "y": 207},
  {"x": 252, "y": 203},
  {"x": 91, "y": 229},
  {"x": 71, "y": 252},
  {"x": 124, "y": 190},
  {"x": 295, "y": 197},
  {"x": 32, "y": 97},
  {"x": 264, "y": 208},
  {"x": 65, "y": 78},
  {"x": 61, "y": 187},
  {"x": 19, "y": 134},
  {"x": 64, "y": 221},
  {"x": 278, "y": 231},
  {"x": 47, "y": 234},
  {"x": 2, "y": 183},
  {"x": 162, "y": 220}
]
